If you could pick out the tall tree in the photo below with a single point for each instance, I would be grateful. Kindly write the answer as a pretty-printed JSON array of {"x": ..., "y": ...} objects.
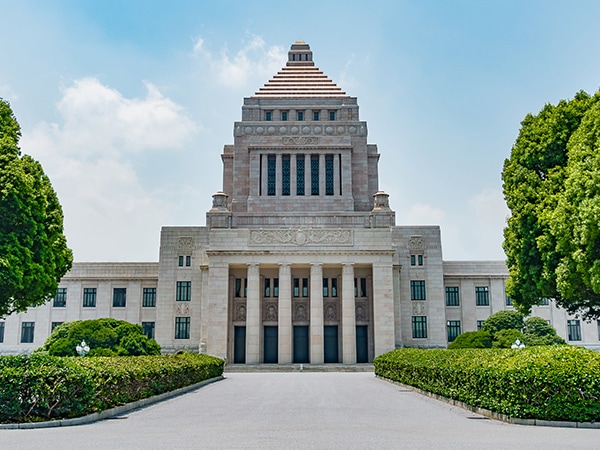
[
  {"x": 33, "y": 249},
  {"x": 534, "y": 182}
]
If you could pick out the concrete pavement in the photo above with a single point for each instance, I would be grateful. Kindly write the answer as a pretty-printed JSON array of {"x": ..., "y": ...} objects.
[{"x": 300, "y": 410}]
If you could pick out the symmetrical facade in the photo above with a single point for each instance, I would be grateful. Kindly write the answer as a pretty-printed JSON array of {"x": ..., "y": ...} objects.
[{"x": 300, "y": 260}]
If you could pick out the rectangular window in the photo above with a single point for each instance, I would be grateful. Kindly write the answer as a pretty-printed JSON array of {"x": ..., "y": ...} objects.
[
  {"x": 417, "y": 289},
  {"x": 149, "y": 297},
  {"x": 419, "y": 327},
  {"x": 362, "y": 283},
  {"x": 325, "y": 287},
  {"x": 54, "y": 325},
  {"x": 268, "y": 116},
  {"x": 284, "y": 115},
  {"x": 2, "y": 331},
  {"x": 482, "y": 296},
  {"x": 285, "y": 175},
  {"x": 299, "y": 174},
  {"x": 89, "y": 297},
  {"x": 148, "y": 329},
  {"x": 331, "y": 115},
  {"x": 544, "y": 302},
  {"x": 119, "y": 297},
  {"x": 479, "y": 324},
  {"x": 180, "y": 261},
  {"x": 271, "y": 174},
  {"x": 508, "y": 301},
  {"x": 452, "y": 296},
  {"x": 453, "y": 328},
  {"x": 296, "y": 287},
  {"x": 314, "y": 175},
  {"x": 184, "y": 291},
  {"x": 182, "y": 327},
  {"x": 238, "y": 287},
  {"x": 315, "y": 115},
  {"x": 300, "y": 115},
  {"x": 275, "y": 287},
  {"x": 334, "y": 287},
  {"x": 267, "y": 292},
  {"x": 188, "y": 261},
  {"x": 60, "y": 299},
  {"x": 304, "y": 287},
  {"x": 329, "y": 175},
  {"x": 420, "y": 260},
  {"x": 27, "y": 331},
  {"x": 574, "y": 328},
  {"x": 413, "y": 260}
]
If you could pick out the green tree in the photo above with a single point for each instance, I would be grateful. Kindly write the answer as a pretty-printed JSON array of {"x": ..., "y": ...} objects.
[
  {"x": 540, "y": 257},
  {"x": 33, "y": 249},
  {"x": 539, "y": 332},
  {"x": 472, "y": 339}
]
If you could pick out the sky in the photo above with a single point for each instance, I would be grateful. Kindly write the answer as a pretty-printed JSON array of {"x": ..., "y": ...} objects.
[{"x": 128, "y": 104}]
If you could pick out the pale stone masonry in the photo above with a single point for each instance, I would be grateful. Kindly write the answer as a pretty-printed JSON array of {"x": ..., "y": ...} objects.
[{"x": 300, "y": 260}]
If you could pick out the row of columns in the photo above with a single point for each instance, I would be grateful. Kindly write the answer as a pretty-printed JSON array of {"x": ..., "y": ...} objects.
[{"x": 216, "y": 324}]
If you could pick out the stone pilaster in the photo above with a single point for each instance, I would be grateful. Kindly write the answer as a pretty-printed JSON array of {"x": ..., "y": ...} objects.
[
  {"x": 253, "y": 315},
  {"x": 218, "y": 278},
  {"x": 285, "y": 315},
  {"x": 348, "y": 315},
  {"x": 383, "y": 308},
  {"x": 316, "y": 314}
]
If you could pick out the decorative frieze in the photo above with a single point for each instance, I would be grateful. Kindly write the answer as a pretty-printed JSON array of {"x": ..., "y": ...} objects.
[
  {"x": 239, "y": 314},
  {"x": 300, "y": 140},
  {"x": 300, "y": 237},
  {"x": 185, "y": 246},
  {"x": 330, "y": 310},
  {"x": 418, "y": 308},
  {"x": 416, "y": 243},
  {"x": 182, "y": 309},
  {"x": 270, "y": 312}
]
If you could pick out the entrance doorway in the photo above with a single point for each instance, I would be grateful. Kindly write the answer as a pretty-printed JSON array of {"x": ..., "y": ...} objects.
[
  {"x": 270, "y": 345},
  {"x": 301, "y": 344},
  {"x": 331, "y": 344},
  {"x": 239, "y": 345},
  {"x": 362, "y": 344}
]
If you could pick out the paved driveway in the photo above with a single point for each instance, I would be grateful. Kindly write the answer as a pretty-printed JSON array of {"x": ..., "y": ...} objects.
[{"x": 300, "y": 410}]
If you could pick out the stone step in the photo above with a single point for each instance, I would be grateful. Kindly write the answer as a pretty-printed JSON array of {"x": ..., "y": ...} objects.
[{"x": 239, "y": 368}]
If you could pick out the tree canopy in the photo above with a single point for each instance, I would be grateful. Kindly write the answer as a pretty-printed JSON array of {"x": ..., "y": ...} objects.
[
  {"x": 33, "y": 249},
  {"x": 551, "y": 185}
]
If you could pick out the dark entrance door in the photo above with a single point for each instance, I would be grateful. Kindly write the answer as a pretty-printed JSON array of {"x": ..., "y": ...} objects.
[
  {"x": 301, "y": 344},
  {"x": 239, "y": 345},
  {"x": 270, "y": 345},
  {"x": 362, "y": 344},
  {"x": 331, "y": 344}
]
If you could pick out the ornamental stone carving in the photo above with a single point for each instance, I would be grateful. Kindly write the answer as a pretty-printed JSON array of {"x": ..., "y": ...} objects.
[
  {"x": 416, "y": 243},
  {"x": 300, "y": 140},
  {"x": 185, "y": 246},
  {"x": 240, "y": 312},
  {"x": 418, "y": 308},
  {"x": 330, "y": 311},
  {"x": 301, "y": 237},
  {"x": 300, "y": 312},
  {"x": 182, "y": 310},
  {"x": 361, "y": 311},
  {"x": 271, "y": 313}
]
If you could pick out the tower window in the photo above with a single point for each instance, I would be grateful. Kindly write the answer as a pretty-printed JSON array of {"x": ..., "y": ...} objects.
[
  {"x": 271, "y": 171},
  {"x": 300, "y": 115},
  {"x": 268, "y": 116},
  {"x": 316, "y": 115}
]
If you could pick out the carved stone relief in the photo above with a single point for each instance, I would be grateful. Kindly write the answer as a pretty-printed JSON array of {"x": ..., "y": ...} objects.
[
  {"x": 418, "y": 308},
  {"x": 240, "y": 311},
  {"x": 182, "y": 309},
  {"x": 185, "y": 246},
  {"x": 330, "y": 311},
  {"x": 361, "y": 311},
  {"x": 301, "y": 312},
  {"x": 270, "y": 311},
  {"x": 300, "y": 140},
  {"x": 300, "y": 237},
  {"x": 416, "y": 243}
]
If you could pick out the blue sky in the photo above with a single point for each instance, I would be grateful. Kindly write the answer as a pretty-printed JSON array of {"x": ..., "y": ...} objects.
[{"x": 127, "y": 104}]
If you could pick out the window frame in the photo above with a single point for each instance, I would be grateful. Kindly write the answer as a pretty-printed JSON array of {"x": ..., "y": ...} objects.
[
  {"x": 419, "y": 327},
  {"x": 119, "y": 297},
  {"x": 182, "y": 327},
  {"x": 183, "y": 291},
  {"x": 452, "y": 296},
  {"x": 148, "y": 297},
  {"x": 60, "y": 298},
  {"x": 482, "y": 296},
  {"x": 27, "y": 332},
  {"x": 89, "y": 296},
  {"x": 418, "y": 291}
]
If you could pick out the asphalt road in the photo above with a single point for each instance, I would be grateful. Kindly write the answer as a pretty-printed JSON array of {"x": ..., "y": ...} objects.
[{"x": 300, "y": 410}]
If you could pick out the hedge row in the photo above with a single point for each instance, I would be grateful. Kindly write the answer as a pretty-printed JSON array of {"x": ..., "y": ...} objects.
[
  {"x": 42, "y": 387},
  {"x": 548, "y": 383}
]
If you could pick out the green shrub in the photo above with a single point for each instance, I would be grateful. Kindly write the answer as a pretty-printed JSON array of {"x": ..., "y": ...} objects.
[
  {"x": 550, "y": 383},
  {"x": 472, "y": 339},
  {"x": 506, "y": 338},
  {"x": 41, "y": 387},
  {"x": 118, "y": 336},
  {"x": 503, "y": 320}
]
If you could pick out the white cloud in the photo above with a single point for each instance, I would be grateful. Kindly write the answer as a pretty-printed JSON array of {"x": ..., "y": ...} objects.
[
  {"x": 253, "y": 61},
  {"x": 91, "y": 158},
  {"x": 422, "y": 214}
]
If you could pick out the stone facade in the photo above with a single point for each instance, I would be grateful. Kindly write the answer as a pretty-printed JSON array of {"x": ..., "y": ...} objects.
[{"x": 300, "y": 260}]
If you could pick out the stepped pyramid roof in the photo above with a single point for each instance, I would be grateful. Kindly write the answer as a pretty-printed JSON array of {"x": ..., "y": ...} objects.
[{"x": 300, "y": 78}]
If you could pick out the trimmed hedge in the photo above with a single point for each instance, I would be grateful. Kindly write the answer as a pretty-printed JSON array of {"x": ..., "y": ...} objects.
[
  {"x": 42, "y": 387},
  {"x": 550, "y": 383}
]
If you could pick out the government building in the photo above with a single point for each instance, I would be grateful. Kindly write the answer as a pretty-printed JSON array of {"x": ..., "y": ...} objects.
[{"x": 300, "y": 260}]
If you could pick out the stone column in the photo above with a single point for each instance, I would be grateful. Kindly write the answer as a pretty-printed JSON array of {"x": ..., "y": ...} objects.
[
  {"x": 278, "y": 175},
  {"x": 217, "y": 323},
  {"x": 348, "y": 315},
  {"x": 307, "y": 174},
  {"x": 293, "y": 182},
  {"x": 322, "y": 174},
  {"x": 316, "y": 314},
  {"x": 337, "y": 182},
  {"x": 383, "y": 308},
  {"x": 253, "y": 315},
  {"x": 264, "y": 174},
  {"x": 285, "y": 314}
]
